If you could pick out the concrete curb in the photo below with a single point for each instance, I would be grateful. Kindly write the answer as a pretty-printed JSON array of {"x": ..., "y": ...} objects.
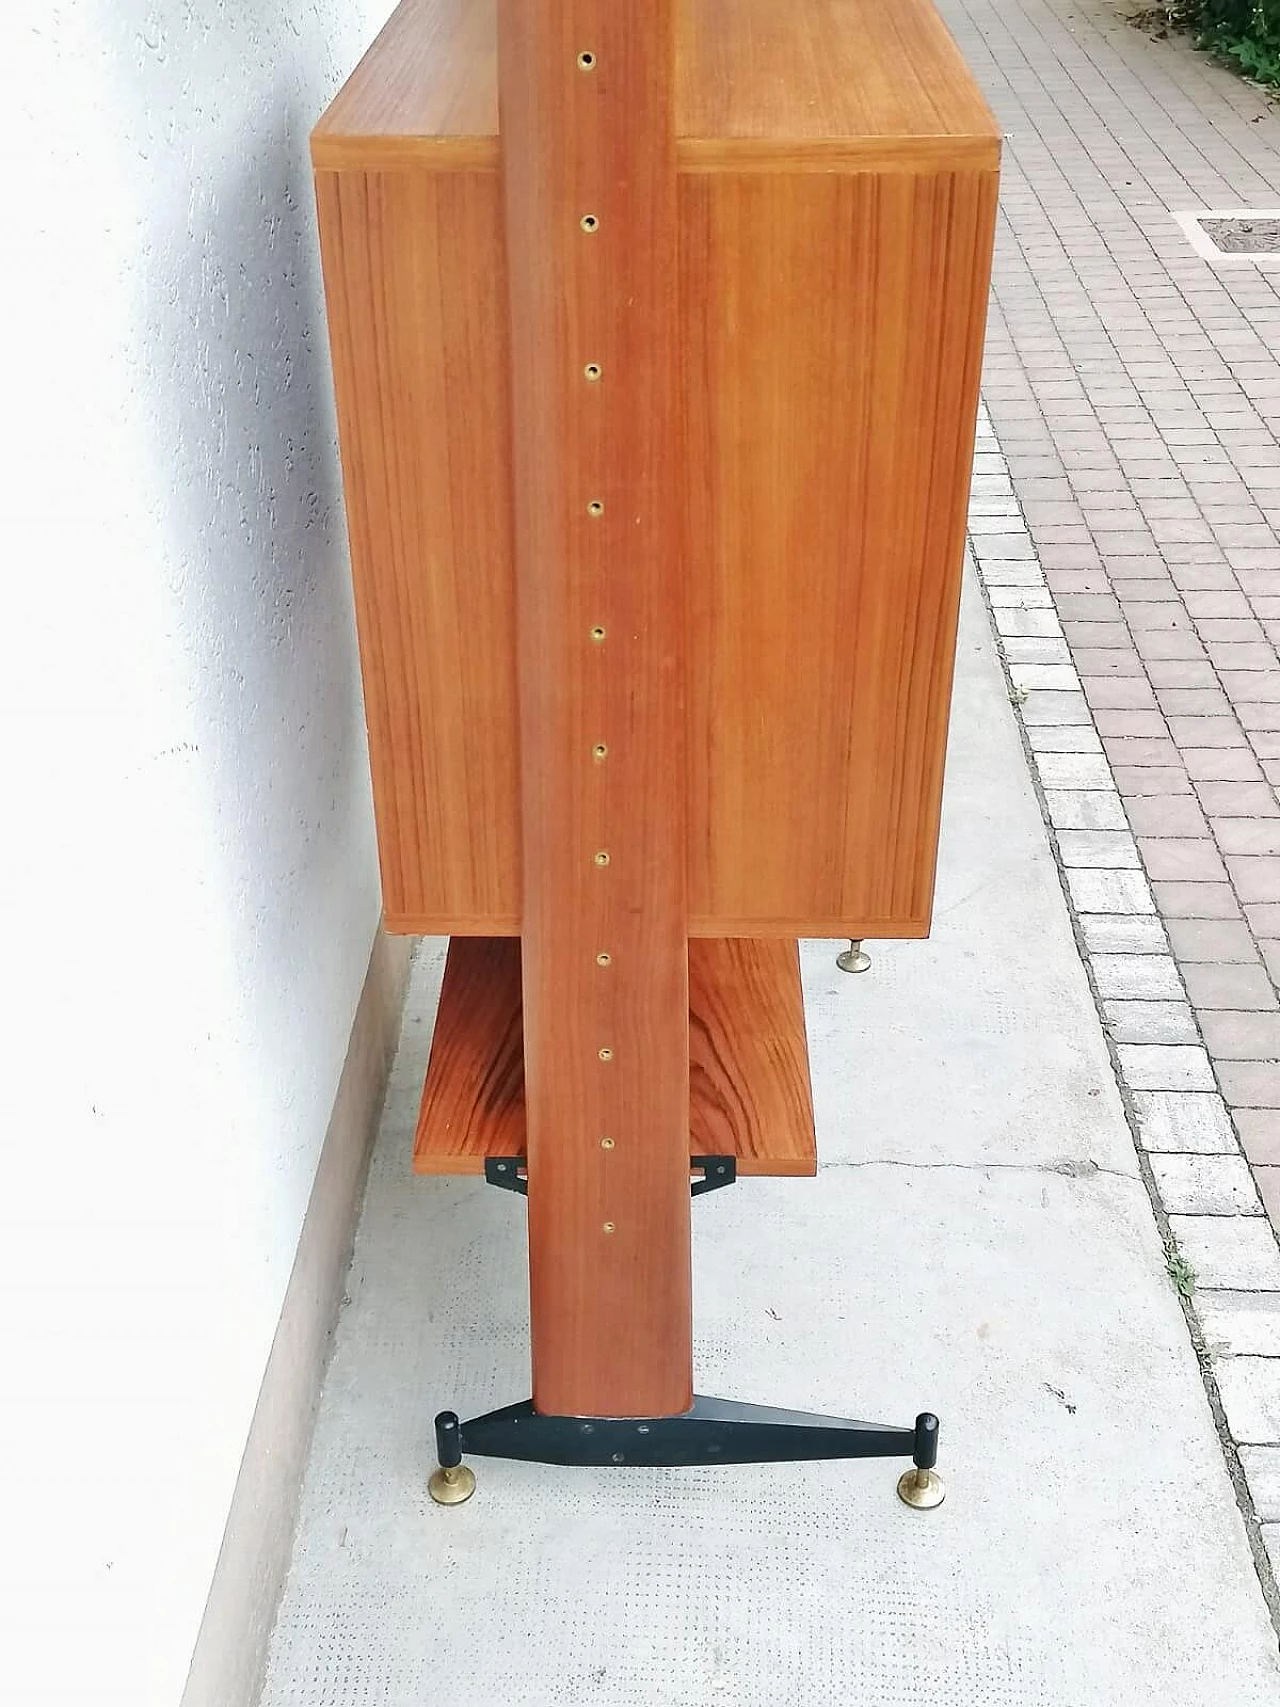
[{"x": 1223, "y": 1254}]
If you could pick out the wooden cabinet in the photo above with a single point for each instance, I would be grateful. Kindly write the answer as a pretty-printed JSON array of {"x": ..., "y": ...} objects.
[
  {"x": 656, "y": 405},
  {"x": 836, "y": 197}
]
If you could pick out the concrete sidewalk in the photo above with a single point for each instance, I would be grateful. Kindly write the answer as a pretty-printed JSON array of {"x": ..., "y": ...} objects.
[{"x": 978, "y": 1241}]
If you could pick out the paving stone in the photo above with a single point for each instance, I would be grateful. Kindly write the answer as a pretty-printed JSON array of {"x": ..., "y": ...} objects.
[
  {"x": 1075, "y": 770},
  {"x": 1010, "y": 620},
  {"x": 1136, "y": 781},
  {"x": 1084, "y": 809},
  {"x": 1039, "y": 649},
  {"x": 1267, "y": 1179},
  {"x": 1236, "y": 1252},
  {"x": 1242, "y": 1324},
  {"x": 1160, "y": 815},
  {"x": 1150, "y": 1022},
  {"x": 1054, "y": 738},
  {"x": 1256, "y": 878},
  {"x": 1137, "y": 977},
  {"x": 1109, "y": 891},
  {"x": 1166, "y": 1067},
  {"x": 1195, "y": 900},
  {"x": 1182, "y": 859},
  {"x": 1261, "y": 1466},
  {"x": 1122, "y": 933},
  {"x": 1112, "y": 722},
  {"x": 1249, "y": 1388},
  {"x": 1020, "y": 598},
  {"x": 1250, "y": 1084},
  {"x": 1102, "y": 849},
  {"x": 1214, "y": 940},
  {"x": 1259, "y": 1130},
  {"x": 1231, "y": 987},
  {"x": 1028, "y": 677},
  {"x": 1238, "y": 799},
  {"x": 1247, "y": 835},
  {"x": 1242, "y": 1036},
  {"x": 1059, "y": 709},
  {"x": 1205, "y": 1185}
]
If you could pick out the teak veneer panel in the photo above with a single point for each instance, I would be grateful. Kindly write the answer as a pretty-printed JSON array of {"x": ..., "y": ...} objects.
[
  {"x": 759, "y": 84},
  {"x": 416, "y": 295},
  {"x": 830, "y": 396},
  {"x": 749, "y": 1093},
  {"x": 601, "y": 625},
  {"x": 830, "y": 330}
]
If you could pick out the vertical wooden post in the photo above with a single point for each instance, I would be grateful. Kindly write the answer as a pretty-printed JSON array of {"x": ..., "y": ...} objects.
[{"x": 588, "y": 157}]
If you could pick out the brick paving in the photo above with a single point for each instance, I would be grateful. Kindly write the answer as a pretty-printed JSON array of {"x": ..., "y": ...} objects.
[
  {"x": 1126, "y": 526},
  {"x": 1134, "y": 391}
]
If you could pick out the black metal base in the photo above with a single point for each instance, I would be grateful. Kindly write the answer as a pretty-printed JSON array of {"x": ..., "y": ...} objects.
[{"x": 714, "y": 1431}]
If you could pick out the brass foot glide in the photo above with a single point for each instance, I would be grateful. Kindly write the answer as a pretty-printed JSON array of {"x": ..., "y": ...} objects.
[
  {"x": 855, "y": 958},
  {"x": 922, "y": 1487},
  {"x": 452, "y": 1482}
]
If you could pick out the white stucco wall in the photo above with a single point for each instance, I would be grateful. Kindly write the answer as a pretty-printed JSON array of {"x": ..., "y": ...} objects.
[{"x": 186, "y": 851}]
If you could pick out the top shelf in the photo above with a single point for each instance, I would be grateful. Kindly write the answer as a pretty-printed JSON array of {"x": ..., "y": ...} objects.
[{"x": 815, "y": 85}]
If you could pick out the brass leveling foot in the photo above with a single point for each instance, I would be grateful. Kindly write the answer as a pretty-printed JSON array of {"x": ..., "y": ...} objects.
[
  {"x": 922, "y": 1486},
  {"x": 855, "y": 958},
  {"x": 453, "y": 1481}
]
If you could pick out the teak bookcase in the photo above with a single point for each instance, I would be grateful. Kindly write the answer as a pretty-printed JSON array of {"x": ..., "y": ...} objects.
[{"x": 656, "y": 403}]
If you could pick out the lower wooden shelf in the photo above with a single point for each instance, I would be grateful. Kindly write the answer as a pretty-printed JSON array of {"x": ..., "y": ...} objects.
[{"x": 749, "y": 1093}]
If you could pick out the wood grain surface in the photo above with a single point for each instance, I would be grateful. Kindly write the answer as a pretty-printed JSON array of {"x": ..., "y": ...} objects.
[
  {"x": 588, "y": 135},
  {"x": 830, "y": 327},
  {"x": 832, "y": 341},
  {"x": 810, "y": 85},
  {"x": 416, "y": 297},
  {"x": 749, "y": 1092}
]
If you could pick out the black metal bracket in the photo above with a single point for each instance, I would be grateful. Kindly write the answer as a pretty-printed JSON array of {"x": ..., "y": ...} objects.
[
  {"x": 713, "y": 1431},
  {"x": 504, "y": 1171},
  {"x": 717, "y": 1171}
]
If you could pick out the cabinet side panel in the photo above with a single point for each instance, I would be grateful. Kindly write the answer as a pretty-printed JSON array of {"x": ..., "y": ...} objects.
[
  {"x": 416, "y": 294},
  {"x": 832, "y": 346}
]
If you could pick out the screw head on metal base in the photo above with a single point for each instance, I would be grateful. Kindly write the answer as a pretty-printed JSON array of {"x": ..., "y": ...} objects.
[
  {"x": 453, "y": 1485},
  {"x": 854, "y": 959},
  {"x": 922, "y": 1489}
]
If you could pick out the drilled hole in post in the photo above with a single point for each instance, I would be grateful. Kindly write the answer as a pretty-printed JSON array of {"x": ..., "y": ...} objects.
[
  {"x": 599, "y": 751},
  {"x": 589, "y": 222},
  {"x": 602, "y": 858},
  {"x": 609, "y": 1227},
  {"x": 597, "y": 634},
  {"x": 606, "y": 1054},
  {"x": 586, "y": 60},
  {"x": 606, "y": 1144},
  {"x": 595, "y": 508},
  {"x": 592, "y": 373},
  {"x": 604, "y": 960}
]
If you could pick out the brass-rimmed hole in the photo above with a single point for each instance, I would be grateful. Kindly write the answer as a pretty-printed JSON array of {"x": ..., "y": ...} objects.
[
  {"x": 592, "y": 372},
  {"x": 602, "y": 858},
  {"x": 607, "y": 1144},
  {"x": 586, "y": 60},
  {"x": 595, "y": 508},
  {"x": 599, "y": 751},
  {"x": 606, "y": 1054},
  {"x": 597, "y": 634},
  {"x": 589, "y": 222},
  {"x": 609, "y": 1227},
  {"x": 603, "y": 959}
]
